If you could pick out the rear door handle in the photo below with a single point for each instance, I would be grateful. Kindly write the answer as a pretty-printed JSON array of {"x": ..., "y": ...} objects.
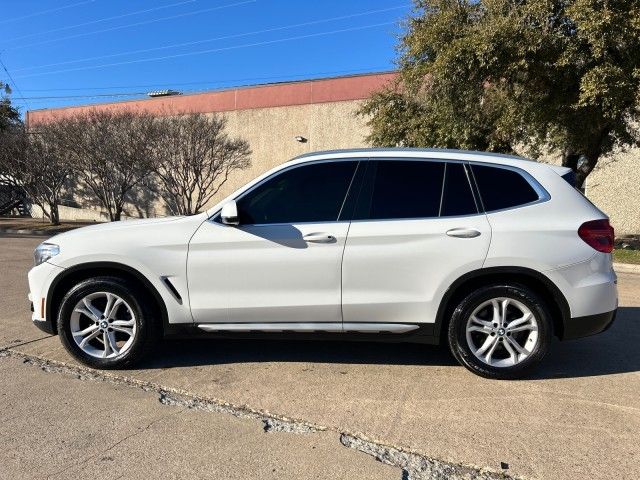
[
  {"x": 319, "y": 237},
  {"x": 463, "y": 232}
]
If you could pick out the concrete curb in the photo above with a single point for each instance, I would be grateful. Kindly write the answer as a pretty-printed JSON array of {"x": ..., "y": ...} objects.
[{"x": 626, "y": 268}]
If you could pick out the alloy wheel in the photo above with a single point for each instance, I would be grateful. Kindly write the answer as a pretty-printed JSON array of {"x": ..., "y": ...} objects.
[
  {"x": 502, "y": 332},
  {"x": 103, "y": 325}
]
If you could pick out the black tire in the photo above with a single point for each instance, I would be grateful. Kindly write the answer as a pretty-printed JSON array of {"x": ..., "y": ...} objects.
[
  {"x": 457, "y": 334},
  {"x": 137, "y": 299}
]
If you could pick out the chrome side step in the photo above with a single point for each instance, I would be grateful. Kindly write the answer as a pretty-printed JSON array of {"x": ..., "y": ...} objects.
[{"x": 333, "y": 327}]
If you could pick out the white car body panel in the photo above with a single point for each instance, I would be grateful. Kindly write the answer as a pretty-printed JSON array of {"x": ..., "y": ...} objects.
[
  {"x": 265, "y": 273},
  {"x": 152, "y": 247},
  {"x": 398, "y": 270},
  {"x": 589, "y": 287}
]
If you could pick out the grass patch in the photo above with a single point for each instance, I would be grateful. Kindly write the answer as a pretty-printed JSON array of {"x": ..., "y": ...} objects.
[{"x": 621, "y": 255}]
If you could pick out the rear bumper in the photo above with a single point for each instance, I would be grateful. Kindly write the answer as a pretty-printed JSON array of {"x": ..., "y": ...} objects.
[
  {"x": 578, "y": 327},
  {"x": 591, "y": 291}
]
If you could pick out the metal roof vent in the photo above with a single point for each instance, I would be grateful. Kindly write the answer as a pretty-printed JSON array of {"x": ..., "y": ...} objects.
[{"x": 163, "y": 93}]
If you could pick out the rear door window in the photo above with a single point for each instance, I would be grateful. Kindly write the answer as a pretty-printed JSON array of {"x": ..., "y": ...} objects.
[
  {"x": 502, "y": 188},
  {"x": 396, "y": 189}
]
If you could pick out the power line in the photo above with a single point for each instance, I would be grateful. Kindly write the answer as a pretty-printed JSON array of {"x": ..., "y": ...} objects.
[
  {"x": 226, "y": 37},
  {"x": 13, "y": 82},
  {"x": 211, "y": 50},
  {"x": 120, "y": 27},
  {"x": 42, "y": 12},
  {"x": 311, "y": 75},
  {"x": 106, "y": 19},
  {"x": 96, "y": 95},
  {"x": 132, "y": 94}
]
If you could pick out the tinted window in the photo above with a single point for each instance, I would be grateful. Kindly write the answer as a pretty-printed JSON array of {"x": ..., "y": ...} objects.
[
  {"x": 311, "y": 193},
  {"x": 457, "y": 197},
  {"x": 570, "y": 178},
  {"x": 401, "y": 189},
  {"x": 501, "y": 188}
]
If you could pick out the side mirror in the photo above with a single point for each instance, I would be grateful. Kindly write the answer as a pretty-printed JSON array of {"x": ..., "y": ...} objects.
[{"x": 229, "y": 213}]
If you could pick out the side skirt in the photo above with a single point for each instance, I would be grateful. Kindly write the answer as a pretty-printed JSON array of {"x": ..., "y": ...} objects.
[
  {"x": 333, "y": 327},
  {"x": 363, "y": 332}
]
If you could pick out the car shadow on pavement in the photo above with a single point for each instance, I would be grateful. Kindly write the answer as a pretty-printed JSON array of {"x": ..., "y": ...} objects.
[
  {"x": 196, "y": 352},
  {"x": 612, "y": 352}
]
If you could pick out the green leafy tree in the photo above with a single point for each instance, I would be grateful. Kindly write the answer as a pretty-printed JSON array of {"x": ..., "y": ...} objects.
[
  {"x": 9, "y": 115},
  {"x": 552, "y": 75}
]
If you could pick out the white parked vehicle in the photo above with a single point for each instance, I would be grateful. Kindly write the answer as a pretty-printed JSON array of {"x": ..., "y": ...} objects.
[{"x": 492, "y": 254}]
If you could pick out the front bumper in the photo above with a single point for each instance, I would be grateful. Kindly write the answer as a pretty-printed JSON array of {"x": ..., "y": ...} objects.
[
  {"x": 40, "y": 279},
  {"x": 578, "y": 327},
  {"x": 45, "y": 325}
]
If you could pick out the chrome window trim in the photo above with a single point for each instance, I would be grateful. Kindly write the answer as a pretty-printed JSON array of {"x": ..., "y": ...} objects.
[
  {"x": 413, "y": 219},
  {"x": 415, "y": 152},
  {"x": 543, "y": 195}
]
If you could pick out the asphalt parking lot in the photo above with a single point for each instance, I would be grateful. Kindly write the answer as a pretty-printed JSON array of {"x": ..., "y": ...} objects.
[{"x": 579, "y": 417}]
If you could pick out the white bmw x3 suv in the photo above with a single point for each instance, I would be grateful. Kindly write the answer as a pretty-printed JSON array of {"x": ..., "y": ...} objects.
[{"x": 492, "y": 254}]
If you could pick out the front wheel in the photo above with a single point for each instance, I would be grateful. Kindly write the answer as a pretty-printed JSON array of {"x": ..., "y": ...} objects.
[
  {"x": 106, "y": 322},
  {"x": 500, "y": 331}
]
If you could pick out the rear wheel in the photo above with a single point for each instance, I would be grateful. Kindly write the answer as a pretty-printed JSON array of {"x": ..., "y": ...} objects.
[
  {"x": 500, "y": 331},
  {"x": 106, "y": 322}
]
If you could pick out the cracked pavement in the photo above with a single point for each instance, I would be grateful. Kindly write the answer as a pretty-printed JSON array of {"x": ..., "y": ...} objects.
[
  {"x": 228, "y": 407},
  {"x": 54, "y": 426}
]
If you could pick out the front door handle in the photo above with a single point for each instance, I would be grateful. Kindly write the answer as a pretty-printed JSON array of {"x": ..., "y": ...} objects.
[
  {"x": 319, "y": 237},
  {"x": 463, "y": 232}
]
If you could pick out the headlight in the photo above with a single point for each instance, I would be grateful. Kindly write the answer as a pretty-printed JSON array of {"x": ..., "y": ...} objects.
[{"x": 44, "y": 252}]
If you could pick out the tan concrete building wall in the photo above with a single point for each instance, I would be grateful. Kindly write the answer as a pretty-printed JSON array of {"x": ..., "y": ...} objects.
[
  {"x": 88, "y": 214},
  {"x": 614, "y": 187},
  {"x": 271, "y": 133},
  {"x": 72, "y": 214}
]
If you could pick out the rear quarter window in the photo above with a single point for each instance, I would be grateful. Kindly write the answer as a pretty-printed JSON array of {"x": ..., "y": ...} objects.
[{"x": 502, "y": 188}]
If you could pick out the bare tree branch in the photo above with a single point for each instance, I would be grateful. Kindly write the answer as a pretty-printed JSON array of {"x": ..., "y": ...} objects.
[
  {"x": 194, "y": 157},
  {"x": 38, "y": 163},
  {"x": 111, "y": 153}
]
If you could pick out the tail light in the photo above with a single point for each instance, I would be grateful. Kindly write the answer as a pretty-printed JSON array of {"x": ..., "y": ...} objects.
[{"x": 598, "y": 234}]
